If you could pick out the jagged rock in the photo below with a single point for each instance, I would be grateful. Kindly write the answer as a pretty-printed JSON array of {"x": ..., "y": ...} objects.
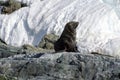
[
  {"x": 7, "y": 50},
  {"x": 48, "y": 41},
  {"x": 61, "y": 66},
  {"x": 10, "y": 6},
  {"x": 31, "y": 48}
]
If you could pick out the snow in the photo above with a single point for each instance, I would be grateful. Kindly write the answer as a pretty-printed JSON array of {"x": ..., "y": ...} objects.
[{"x": 98, "y": 28}]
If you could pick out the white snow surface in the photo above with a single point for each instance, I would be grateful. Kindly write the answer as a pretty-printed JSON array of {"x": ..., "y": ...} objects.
[{"x": 98, "y": 30}]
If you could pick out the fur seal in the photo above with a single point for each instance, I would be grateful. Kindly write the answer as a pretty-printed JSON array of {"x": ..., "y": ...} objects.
[{"x": 67, "y": 40}]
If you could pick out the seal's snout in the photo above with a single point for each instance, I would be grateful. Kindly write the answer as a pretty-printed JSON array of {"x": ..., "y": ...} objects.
[{"x": 76, "y": 24}]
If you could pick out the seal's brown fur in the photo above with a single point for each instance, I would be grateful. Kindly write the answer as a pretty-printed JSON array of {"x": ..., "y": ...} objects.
[{"x": 67, "y": 40}]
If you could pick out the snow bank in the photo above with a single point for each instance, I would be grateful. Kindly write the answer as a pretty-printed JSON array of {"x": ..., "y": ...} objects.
[{"x": 98, "y": 28}]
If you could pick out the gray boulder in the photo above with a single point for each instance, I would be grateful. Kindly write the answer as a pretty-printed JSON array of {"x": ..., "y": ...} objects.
[
  {"x": 48, "y": 41},
  {"x": 10, "y": 6},
  {"x": 60, "y": 66}
]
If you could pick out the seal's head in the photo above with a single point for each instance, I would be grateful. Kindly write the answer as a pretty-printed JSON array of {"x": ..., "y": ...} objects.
[{"x": 71, "y": 26}]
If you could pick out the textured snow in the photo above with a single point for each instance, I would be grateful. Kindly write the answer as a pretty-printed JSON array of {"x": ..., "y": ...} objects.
[{"x": 98, "y": 28}]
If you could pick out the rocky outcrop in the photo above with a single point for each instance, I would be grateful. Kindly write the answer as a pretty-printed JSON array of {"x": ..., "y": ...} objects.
[
  {"x": 7, "y": 50},
  {"x": 48, "y": 41},
  {"x": 10, "y": 6},
  {"x": 60, "y": 66},
  {"x": 32, "y": 63}
]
